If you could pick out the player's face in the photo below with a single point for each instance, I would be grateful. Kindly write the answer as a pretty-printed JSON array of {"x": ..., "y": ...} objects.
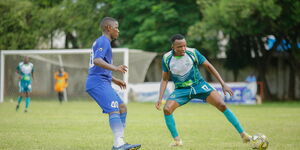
[
  {"x": 26, "y": 59},
  {"x": 179, "y": 46},
  {"x": 114, "y": 30}
]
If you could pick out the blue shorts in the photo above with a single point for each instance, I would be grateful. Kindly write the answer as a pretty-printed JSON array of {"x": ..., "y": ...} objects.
[
  {"x": 184, "y": 95},
  {"x": 106, "y": 97},
  {"x": 24, "y": 86}
]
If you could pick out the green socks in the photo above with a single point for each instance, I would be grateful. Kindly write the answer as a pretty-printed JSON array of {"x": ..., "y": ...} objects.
[
  {"x": 233, "y": 120},
  {"x": 171, "y": 125},
  {"x": 20, "y": 99},
  {"x": 27, "y": 102}
]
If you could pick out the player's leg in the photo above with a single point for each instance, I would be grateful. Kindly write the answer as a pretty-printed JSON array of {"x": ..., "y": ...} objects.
[
  {"x": 216, "y": 100},
  {"x": 27, "y": 101},
  {"x": 169, "y": 108},
  {"x": 60, "y": 96},
  {"x": 21, "y": 95},
  {"x": 123, "y": 111},
  {"x": 27, "y": 90},
  {"x": 123, "y": 114},
  {"x": 106, "y": 98},
  {"x": 19, "y": 100},
  {"x": 117, "y": 128}
]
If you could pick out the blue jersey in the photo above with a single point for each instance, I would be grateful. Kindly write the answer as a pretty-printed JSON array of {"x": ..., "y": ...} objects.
[{"x": 101, "y": 49}]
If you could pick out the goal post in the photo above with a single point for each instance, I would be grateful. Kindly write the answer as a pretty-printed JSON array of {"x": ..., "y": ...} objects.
[{"x": 47, "y": 61}]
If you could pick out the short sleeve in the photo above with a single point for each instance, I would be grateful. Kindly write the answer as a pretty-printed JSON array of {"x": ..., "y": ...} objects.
[
  {"x": 32, "y": 68},
  {"x": 55, "y": 75},
  {"x": 100, "y": 48},
  {"x": 200, "y": 57},
  {"x": 66, "y": 75},
  {"x": 164, "y": 65}
]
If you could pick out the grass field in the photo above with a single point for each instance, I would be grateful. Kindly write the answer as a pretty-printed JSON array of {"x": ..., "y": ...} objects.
[{"x": 80, "y": 125}]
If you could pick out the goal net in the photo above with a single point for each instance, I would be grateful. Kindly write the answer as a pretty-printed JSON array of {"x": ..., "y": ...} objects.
[{"x": 75, "y": 63}]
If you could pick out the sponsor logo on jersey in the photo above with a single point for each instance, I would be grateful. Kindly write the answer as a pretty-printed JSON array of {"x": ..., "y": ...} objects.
[{"x": 173, "y": 96}]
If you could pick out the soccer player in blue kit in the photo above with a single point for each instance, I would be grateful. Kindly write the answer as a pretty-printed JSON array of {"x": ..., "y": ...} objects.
[
  {"x": 181, "y": 63},
  {"x": 98, "y": 83}
]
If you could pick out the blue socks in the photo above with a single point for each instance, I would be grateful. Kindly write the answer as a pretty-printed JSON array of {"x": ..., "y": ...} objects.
[
  {"x": 233, "y": 120},
  {"x": 117, "y": 128},
  {"x": 27, "y": 102},
  {"x": 123, "y": 118},
  {"x": 20, "y": 99},
  {"x": 171, "y": 125}
]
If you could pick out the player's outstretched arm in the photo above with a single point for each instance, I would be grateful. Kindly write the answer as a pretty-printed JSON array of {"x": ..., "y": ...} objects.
[
  {"x": 119, "y": 82},
  {"x": 208, "y": 66},
  {"x": 163, "y": 86},
  {"x": 101, "y": 63}
]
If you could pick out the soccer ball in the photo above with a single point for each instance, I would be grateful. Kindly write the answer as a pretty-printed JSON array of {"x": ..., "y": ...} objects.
[{"x": 259, "y": 141}]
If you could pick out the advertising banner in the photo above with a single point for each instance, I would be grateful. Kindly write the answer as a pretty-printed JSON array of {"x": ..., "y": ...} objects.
[
  {"x": 243, "y": 92},
  {"x": 148, "y": 92}
]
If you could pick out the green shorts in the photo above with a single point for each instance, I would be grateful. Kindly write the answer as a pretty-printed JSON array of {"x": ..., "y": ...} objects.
[{"x": 184, "y": 95}]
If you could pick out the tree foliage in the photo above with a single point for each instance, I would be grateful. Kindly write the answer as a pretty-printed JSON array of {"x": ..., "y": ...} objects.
[
  {"x": 148, "y": 25},
  {"x": 17, "y": 26},
  {"x": 144, "y": 25},
  {"x": 246, "y": 24}
]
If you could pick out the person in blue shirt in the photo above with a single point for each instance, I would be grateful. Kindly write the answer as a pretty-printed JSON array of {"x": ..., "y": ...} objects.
[
  {"x": 252, "y": 88},
  {"x": 98, "y": 83},
  {"x": 181, "y": 64},
  {"x": 251, "y": 78}
]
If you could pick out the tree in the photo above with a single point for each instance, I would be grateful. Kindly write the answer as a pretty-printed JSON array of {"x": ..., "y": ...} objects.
[
  {"x": 17, "y": 26},
  {"x": 246, "y": 24},
  {"x": 149, "y": 25}
]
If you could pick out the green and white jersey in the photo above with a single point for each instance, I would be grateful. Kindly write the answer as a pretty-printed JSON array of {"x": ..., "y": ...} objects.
[
  {"x": 25, "y": 70},
  {"x": 184, "y": 69}
]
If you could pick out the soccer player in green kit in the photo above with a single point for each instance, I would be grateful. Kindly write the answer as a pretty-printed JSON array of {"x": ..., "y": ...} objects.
[
  {"x": 25, "y": 71},
  {"x": 181, "y": 64}
]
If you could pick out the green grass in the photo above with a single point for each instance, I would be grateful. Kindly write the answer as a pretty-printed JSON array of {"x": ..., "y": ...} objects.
[{"x": 80, "y": 125}]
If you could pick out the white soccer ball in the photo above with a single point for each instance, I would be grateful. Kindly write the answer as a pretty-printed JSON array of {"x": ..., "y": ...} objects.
[{"x": 259, "y": 141}]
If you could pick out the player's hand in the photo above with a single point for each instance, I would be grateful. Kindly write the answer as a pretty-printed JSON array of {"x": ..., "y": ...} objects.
[
  {"x": 120, "y": 83},
  {"x": 227, "y": 89},
  {"x": 121, "y": 68},
  {"x": 158, "y": 104}
]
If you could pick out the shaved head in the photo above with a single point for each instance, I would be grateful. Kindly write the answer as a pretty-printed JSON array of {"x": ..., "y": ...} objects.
[
  {"x": 107, "y": 21},
  {"x": 26, "y": 59}
]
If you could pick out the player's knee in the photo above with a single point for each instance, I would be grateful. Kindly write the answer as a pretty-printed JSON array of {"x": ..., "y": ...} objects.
[
  {"x": 167, "y": 110},
  {"x": 122, "y": 108},
  {"x": 222, "y": 107}
]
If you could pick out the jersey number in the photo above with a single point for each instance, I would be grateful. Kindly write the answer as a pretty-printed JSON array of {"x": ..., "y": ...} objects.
[
  {"x": 114, "y": 104},
  {"x": 204, "y": 87}
]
